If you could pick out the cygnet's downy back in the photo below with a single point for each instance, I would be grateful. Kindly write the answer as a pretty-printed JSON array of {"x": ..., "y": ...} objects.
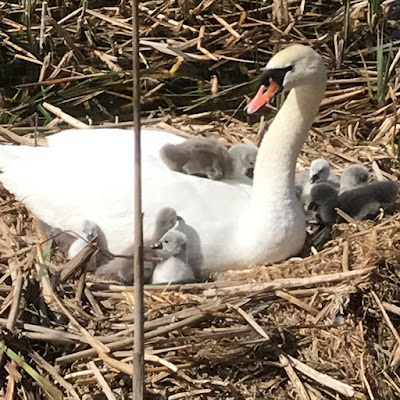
[
  {"x": 207, "y": 158},
  {"x": 365, "y": 201},
  {"x": 175, "y": 268},
  {"x": 204, "y": 157},
  {"x": 120, "y": 267},
  {"x": 353, "y": 176},
  {"x": 323, "y": 201}
]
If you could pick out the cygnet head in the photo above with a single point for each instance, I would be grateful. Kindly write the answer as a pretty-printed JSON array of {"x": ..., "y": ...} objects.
[
  {"x": 353, "y": 176},
  {"x": 166, "y": 219},
  {"x": 246, "y": 154},
  {"x": 89, "y": 228},
  {"x": 294, "y": 66},
  {"x": 173, "y": 243},
  {"x": 322, "y": 193},
  {"x": 319, "y": 170},
  {"x": 324, "y": 200}
]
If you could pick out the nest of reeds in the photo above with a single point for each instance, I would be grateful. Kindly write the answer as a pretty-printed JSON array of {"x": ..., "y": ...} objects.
[{"x": 322, "y": 326}]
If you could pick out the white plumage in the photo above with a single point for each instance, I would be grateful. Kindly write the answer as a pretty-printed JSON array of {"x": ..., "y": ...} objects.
[{"x": 88, "y": 175}]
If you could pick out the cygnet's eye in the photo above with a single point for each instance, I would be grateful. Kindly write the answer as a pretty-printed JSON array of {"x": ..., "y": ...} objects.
[{"x": 166, "y": 241}]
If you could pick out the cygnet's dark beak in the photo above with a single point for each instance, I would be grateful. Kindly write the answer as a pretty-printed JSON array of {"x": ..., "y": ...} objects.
[
  {"x": 157, "y": 246},
  {"x": 312, "y": 206},
  {"x": 250, "y": 173},
  {"x": 319, "y": 218},
  {"x": 314, "y": 178}
]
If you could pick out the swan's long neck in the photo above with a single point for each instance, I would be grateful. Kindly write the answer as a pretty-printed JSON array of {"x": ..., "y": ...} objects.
[{"x": 276, "y": 161}]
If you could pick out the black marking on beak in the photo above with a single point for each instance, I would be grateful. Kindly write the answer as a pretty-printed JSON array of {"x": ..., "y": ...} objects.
[
  {"x": 250, "y": 173},
  {"x": 314, "y": 178},
  {"x": 277, "y": 74},
  {"x": 313, "y": 206},
  {"x": 157, "y": 246}
]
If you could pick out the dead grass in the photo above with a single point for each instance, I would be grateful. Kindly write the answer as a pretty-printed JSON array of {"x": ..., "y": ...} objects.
[{"x": 249, "y": 334}]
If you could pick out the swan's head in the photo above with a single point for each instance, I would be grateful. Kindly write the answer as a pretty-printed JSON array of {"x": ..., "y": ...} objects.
[
  {"x": 294, "y": 66},
  {"x": 319, "y": 170}
]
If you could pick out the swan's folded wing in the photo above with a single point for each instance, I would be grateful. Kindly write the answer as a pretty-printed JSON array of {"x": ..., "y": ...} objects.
[
  {"x": 193, "y": 198},
  {"x": 108, "y": 141},
  {"x": 63, "y": 188}
]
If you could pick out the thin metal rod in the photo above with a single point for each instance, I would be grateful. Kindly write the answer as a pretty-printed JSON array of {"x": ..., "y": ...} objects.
[{"x": 138, "y": 350}]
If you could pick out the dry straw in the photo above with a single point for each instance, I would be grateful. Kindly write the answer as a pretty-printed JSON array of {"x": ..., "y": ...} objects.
[{"x": 322, "y": 326}]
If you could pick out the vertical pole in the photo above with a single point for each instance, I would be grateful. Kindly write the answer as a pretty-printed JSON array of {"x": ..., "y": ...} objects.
[{"x": 138, "y": 351}]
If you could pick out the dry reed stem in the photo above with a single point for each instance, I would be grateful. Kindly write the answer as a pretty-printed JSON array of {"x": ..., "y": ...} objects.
[
  {"x": 65, "y": 117},
  {"x": 100, "y": 378},
  {"x": 54, "y": 374},
  {"x": 178, "y": 91}
]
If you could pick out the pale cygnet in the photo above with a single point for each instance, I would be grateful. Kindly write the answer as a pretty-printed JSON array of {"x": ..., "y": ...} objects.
[
  {"x": 323, "y": 201},
  {"x": 120, "y": 267},
  {"x": 320, "y": 171},
  {"x": 353, "y": 176},
  {"x": 69, "y": 242},
  {"x": 365, "y": 201},
  {"x": 175, "y": 268},
  {"x": 88, "y": 234},
  {"x": 206, "y": 157},
  {"x": 244, "y": 155}
]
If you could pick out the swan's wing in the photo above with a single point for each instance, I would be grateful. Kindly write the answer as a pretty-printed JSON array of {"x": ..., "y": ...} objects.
[
  {"x": 107, "y": 140},
  {"x": 64, "y": 186},
  {"x": 192, "y": 197}
]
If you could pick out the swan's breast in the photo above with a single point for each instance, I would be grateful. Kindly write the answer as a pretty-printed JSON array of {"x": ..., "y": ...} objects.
[{"x": 276, "y": 233}]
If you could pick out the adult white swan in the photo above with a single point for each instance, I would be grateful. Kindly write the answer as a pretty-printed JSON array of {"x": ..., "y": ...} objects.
[{"x": 88, "y": 175}]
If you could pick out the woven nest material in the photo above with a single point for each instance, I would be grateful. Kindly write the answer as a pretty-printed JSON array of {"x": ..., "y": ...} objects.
[{"x": 323, "y": 326}]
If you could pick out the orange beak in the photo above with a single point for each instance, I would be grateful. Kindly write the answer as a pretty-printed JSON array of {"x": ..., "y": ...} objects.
[{"x": 263, "y": 96}]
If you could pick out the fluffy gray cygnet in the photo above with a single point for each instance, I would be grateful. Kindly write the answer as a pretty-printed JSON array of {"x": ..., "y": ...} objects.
[
  {"x": 353, "y": 176},
  {"x": 206, "y": 157},
  {"x": 175, "y": 268},
  {"x": 320, "y": 171},
  {"x": 365, "y": 201},
  {"x": 120, "y": 267},
  {"x": 323, "y": 201}
]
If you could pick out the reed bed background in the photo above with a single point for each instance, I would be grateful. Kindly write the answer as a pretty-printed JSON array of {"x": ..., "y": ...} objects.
[{"x": 323, "y": 326}]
